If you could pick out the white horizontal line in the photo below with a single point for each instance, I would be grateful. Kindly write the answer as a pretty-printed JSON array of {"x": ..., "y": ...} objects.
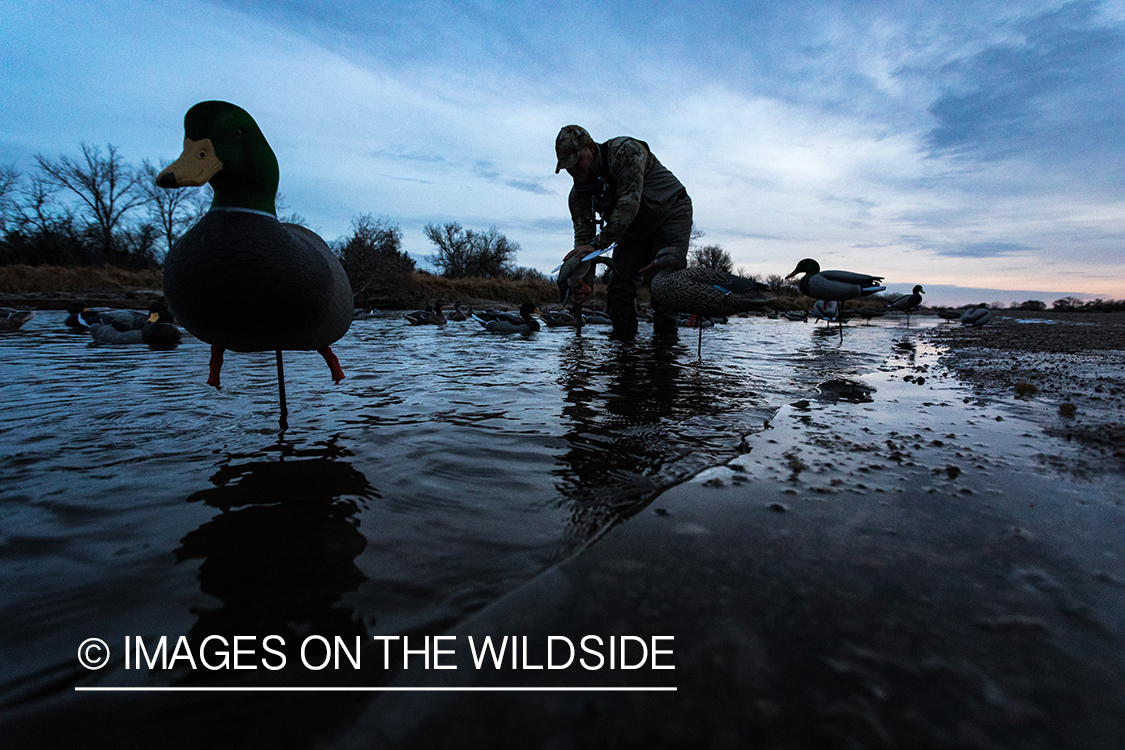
[{"x": 373, "y": 689}]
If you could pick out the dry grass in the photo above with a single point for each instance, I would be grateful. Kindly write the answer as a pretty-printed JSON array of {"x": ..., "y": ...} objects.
[{"x": 53, "y": 279}]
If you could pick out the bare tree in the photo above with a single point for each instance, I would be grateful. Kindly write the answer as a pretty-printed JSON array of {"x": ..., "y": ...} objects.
[
  {"x": 173, "y": 212},
  {"x": 104, "y": 184},
  {"x": 374, "y": 261},
  {"x": 711, "y": 256},
  {"x": 9, "y": 189},
  {"x": 465, "y": 252}
]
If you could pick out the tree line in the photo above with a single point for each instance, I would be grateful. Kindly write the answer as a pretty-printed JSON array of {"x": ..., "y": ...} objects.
[{"x": 97, "y": 209}]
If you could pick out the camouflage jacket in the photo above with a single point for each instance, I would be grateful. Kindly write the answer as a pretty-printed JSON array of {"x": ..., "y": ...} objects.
[{"x": 630, "y": 186}]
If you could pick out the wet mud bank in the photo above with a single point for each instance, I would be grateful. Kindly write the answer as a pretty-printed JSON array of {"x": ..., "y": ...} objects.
[{"x": 915, "y": 558}]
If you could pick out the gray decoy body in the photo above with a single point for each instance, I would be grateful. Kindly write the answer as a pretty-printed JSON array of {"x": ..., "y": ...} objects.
[
  {"x": 506, "y": 322},
  {"x": 906, "y": 303},
  {"x": 706, "y": 292},
  {"x": 977, "y": 316},
  {"x": 834, "y": 285},
  {"x": 11, "y": 319}
]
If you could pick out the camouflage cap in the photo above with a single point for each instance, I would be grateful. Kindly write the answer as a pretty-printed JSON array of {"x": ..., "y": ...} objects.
[{"x": 569, "y": 142}]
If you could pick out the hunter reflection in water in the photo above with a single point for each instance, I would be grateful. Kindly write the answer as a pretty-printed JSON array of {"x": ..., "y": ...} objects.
[
  {"x": 637, "y": 421},
  {"x": 282, "y": 552}
]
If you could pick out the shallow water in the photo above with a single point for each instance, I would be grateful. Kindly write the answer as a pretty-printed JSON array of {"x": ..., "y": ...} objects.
[{"x": 449, "y": 467}]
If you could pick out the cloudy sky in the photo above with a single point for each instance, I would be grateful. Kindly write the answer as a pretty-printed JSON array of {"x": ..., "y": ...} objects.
[{"x": 950, "y": 144}]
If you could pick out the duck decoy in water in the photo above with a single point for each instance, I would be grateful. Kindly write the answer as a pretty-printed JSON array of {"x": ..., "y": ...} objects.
[
  {"x": 239, "y": 259},
  {"x": 157, "y": 331},
  {"x": 868, "y": 312},
  {"x": 839, "y": 286},
  {"x": 559, "y": 318},
  {"x": 432, "y": 316},
  {"x": 947, "y": 314},
  {"x": 11, "y": 319},
  {"x": 706, "y": 292},
  {"x": 796, "y": 315},
  {"x": 596, "y": 318},
  {"x": 976, "y": 316},
  {"x": 457, "y": 314},
  {"x": 128, "y": 320},
  {"x": 506, "y": 322},
  {"x": 906, "y": 303}
]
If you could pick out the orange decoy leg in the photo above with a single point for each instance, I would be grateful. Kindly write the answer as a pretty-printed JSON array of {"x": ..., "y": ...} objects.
[
  {"x": 216, "y": 365},
  {"x": 333, "y": 363}
]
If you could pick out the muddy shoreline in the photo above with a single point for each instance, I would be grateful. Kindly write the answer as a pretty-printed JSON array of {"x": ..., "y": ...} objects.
[{"x": 1073, "y": 362}]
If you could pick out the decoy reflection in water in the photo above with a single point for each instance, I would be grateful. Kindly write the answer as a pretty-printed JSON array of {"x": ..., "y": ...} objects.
[
  {"x": 906, "y": 303},
  {"x": 11, "y": 319},
  {"x": 706, "y": 292},
  {"x": 281, "y": 554},
  {"x": 977, "y": 316},
  {"x": 506, "y": 322},
  {"x": 239, "y": 260}
]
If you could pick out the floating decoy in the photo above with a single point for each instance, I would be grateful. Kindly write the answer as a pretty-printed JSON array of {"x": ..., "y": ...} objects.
[
  {"x": 362, "y": 313},
  {"x": 706, "y": 292},
  {"x": 157, "y": 331},
  {"x": 128, "y": 320},
  {"x": 11, "y": 319},
  {"x": 906, "y": 303},
  {"x": 558, "y": 318},
  {"x": 457, "y": 314},
  {"x": 596, "y": 318},
  {"x": 506, "y": 322},
  {"x": 977, "y": 316},
  {"x": 75, "y": 319},
  {"x": 800, "y": 315},
  {"x": 239, "y": 259},
  {"x": 432, "y": 316}
]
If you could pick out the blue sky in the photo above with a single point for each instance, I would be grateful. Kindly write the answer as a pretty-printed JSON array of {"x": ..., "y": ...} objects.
[{"x": 953, "y": 144}]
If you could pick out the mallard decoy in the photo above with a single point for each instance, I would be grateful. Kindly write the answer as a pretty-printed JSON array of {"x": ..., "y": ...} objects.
[
  {"x": 239, "y": 259},
  {"x": 157, "y": 331},
  {"x": 795, "y": 315},
  {"x": 11, "y": 319},
  {"x": 506, "y": 322},
  {"x": 834, "y": 285},
  {"x": 558, "y": 318},
  {"x": 976, "y": 316},
  {"x": 707, "y": 292},
  {"x": 128, "y": 320},
  {"x": 868, "y": 312},
  {"x": 457, "y": 314},
  {"x": 826, "y": 310},
  {"x": 430, "y": 316},
  {"x": 947, "y": 314},
  {"x": 906, "y": 303},
  {"x": 596, "y": 318}
]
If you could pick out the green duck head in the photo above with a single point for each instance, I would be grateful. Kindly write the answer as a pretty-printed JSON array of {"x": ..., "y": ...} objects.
[
  {"x": 918, "y": 289},
  {"x": 808, "y": 266},
  {"x": 224, "y": 146}
]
